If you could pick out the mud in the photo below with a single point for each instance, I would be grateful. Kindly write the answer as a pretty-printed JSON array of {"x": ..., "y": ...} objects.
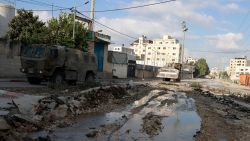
[
  {"x": 147, "y": 112},
  {"x": 152, "y": 124},
  {"x": 222, "y": 118},
  {"x": 51, "y": 112}
]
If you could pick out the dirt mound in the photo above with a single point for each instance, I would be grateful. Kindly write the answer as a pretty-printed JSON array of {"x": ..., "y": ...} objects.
[
  {"x": 152, "y": 124},
  {"x": 95, "y": 98}
]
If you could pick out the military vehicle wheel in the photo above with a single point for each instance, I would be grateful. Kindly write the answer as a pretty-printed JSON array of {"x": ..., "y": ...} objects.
[
  {"x": 34, "y": 80},
  {"x": 57, "y": 78},
  {"x": 90, "y": 77},
  {"x": 71, "y": 82},
  {"x": 166, "y": 79}
]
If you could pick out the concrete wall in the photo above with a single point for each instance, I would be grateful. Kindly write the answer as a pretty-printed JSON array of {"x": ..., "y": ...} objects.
[
  {"x": 120, "y": 70},
  {"x": 147, "y": 74},
  {"x": 149, "y": 71},
  {"x": 107, "y": 67},
  {"x": 7, "y": 13},
  {"x": 10, "y": 63}
]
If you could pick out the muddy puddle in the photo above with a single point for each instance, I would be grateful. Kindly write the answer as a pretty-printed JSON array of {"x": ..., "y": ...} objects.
[{"x": 160, "y": 116}]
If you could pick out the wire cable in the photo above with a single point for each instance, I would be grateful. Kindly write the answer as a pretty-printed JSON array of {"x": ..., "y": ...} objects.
[
  {"x": 114, "y": 30},
  {"x": 132, "y": 7}
]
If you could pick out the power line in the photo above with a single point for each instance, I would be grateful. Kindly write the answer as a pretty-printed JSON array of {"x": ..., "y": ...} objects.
[
  {"x": 114, "y": 30},
  {"x": 38, "y": 3},
  {"x": 222, "y": 52},
  {"x": 133, "y": 7},
  {"x": 35, "y": 2}
]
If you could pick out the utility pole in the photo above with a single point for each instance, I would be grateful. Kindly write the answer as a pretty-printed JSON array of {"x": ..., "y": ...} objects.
[
  {"x": 184, "y": 30},
  {"x": 92, "y": 14},
  {"x": 74, "y": 23},
  {"x": 143, "y": 38}
]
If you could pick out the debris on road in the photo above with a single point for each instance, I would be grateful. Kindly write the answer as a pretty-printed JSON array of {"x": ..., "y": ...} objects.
[{"x": 152, "y": 124}]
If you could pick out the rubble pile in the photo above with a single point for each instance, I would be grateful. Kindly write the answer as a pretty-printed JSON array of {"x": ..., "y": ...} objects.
[
  {"x": 95, "y": 98},
  {"x": 48, "y": 111},
  {"x": 223, "y": 100},
  {"x": 152, "y": 124}
]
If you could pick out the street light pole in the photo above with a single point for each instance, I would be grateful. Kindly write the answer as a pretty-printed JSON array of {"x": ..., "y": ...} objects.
[
  {"x": 184, "y": 30},
  {"x": 74, "y": 24},
  {"x": 143, "y": 38}
]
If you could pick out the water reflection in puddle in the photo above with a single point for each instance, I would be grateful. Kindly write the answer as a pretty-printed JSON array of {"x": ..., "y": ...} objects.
[{"x": 179, "y": 121}]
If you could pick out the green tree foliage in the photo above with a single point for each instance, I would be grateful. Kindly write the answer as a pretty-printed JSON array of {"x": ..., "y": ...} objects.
[
  {"x": 26, "y": 27},
  {"x": 61, "y": 32},
  {"x": 201, "y": 68},
  {"x": 224, "y": 75}
]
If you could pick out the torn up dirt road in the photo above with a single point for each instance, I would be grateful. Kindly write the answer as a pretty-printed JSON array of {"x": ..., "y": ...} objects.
[{"x": 153, "y": 111}]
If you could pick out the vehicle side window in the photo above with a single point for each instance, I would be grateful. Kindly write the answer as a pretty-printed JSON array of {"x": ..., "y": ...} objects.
[{"x": 27, "y": 52}]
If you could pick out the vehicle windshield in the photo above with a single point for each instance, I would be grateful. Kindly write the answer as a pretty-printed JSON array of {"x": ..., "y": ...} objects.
[
  {"x": 36, "y": 52},
  {"x": 27, "y": 52}
]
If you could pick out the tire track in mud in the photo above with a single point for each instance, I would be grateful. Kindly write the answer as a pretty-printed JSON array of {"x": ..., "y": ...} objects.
[{"x": 154, "y": 100}]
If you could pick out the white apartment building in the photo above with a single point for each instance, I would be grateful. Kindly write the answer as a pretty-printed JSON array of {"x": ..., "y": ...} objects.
[
  {"x": 158, "y": 52},
  {"x": 190, "y": 60},
  {"x": 242, "y": 70},
  {"x": 123, "y": 50},
  {"x": 237, "y": 66}
]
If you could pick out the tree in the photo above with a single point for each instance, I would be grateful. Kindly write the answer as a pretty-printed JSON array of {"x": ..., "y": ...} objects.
[
  {"x": 224, "y": 75},
  {"x": 26, "y": 27},
  {"x": 61, "y": 32},
  {"x": 201, "y": 68}
]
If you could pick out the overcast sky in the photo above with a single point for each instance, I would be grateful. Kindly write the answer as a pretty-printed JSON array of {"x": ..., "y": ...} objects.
[{"x": 218, "y": 29}]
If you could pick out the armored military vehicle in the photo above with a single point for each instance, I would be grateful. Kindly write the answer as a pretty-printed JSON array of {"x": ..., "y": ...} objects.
[
  {"x": 57, "y": 64},
  {"x": 170, "y": 72}
]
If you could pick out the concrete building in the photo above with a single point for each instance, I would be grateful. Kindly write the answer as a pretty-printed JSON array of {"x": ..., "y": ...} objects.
[
  {"x": 100, "y": 49},
  {"x": 123, "y": 50},
  {"x": 241, "y": 70},
  {"x": 214, "y": 72},
  {"x": 158, "y": 52},
  {"x": 190, "y": 60},
  {"x": 237, "y": 64},
  {"x": 7, "y": 13}
]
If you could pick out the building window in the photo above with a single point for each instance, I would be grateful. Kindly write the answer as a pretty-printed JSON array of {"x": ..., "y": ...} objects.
[
  {"x": 159, "y": 47},
  {"x": 173, "y": 60},
  {"x": 143, "y": 50},
  {"x": 164, "y": 47},
  {"x": 149, "y": 47},
  {"x": 149, "y": 53},
  {"x": 174, "y": 48},
  {"x": 158, "y": 59},
  {"x": 163, "y": 59},
  {"x": 174, "y": 53},
  {"x": 158, "y": 53},
  {"x": 163, "y": 53},
  {"x": 166, "y": 42},
  {"x": 160, "y": 42},
  {"x": 148, "y": 58},
  {"x": 172, "y": 42}
]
